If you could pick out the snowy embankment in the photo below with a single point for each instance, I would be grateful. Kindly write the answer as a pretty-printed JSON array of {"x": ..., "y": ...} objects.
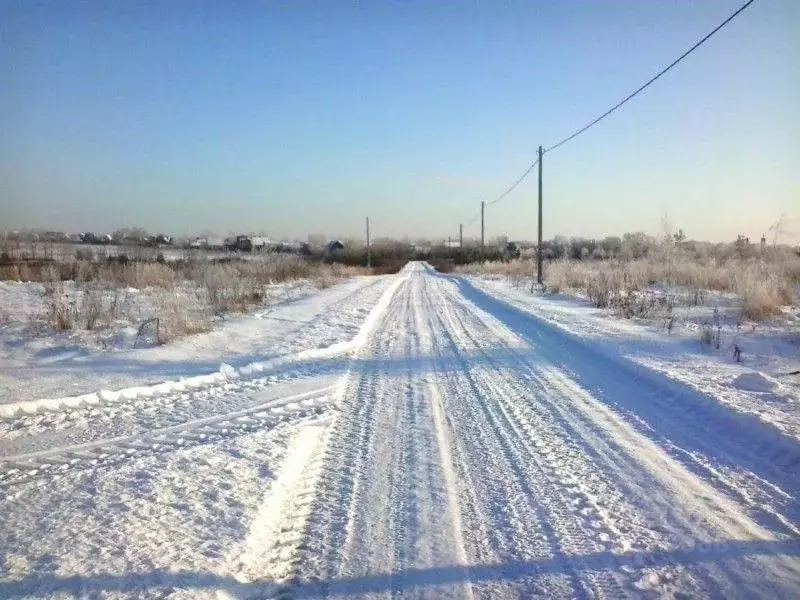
[{"x": 765, "y": 384}]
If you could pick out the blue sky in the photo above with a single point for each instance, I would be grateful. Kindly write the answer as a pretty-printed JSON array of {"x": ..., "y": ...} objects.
[{"x": 299, "y": 117}]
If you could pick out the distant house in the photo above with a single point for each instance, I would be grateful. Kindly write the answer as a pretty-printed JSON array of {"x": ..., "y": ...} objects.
[
  {"x": 333, "y": 246},
  {"x": 260, "y": 243},
  {"x": 251, "y": 243},
  {"x": 240, "y": 243}
]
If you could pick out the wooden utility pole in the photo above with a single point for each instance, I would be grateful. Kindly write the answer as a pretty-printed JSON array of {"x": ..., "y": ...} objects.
[
  {"x": 539, "y": 245},
  {"x": 369, "y": 247},
  {"x": 483, "y": 240},
  {"x": 461, "y": 236}
]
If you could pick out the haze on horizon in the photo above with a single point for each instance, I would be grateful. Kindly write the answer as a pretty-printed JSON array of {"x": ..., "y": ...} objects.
[{"x": 295, "y": 118}]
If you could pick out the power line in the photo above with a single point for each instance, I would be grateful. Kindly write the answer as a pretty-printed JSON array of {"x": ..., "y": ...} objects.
[
  {"x": 475, "y": 218},
  {"x": 662, "y": 72},
  {"x": 515, "y": 184}
]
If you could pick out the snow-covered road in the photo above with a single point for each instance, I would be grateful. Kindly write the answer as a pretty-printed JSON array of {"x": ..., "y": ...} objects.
[{"x": 456, "y": 447}]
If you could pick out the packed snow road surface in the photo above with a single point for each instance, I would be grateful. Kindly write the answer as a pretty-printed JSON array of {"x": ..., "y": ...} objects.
[{"x": 456, "y": 447}]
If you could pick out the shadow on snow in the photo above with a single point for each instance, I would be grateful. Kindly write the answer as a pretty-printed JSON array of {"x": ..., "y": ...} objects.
[{"x": 410, "y": 579}]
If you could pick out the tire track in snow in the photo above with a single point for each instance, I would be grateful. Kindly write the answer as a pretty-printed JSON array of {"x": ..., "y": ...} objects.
[
  {"x": 528, "y": 391},
  {"x": 580, "y": 526},
  {"x": 770, "y": 504},
  {"x": 17, "y": 468},
  {"x": 282, "y": 563},
  {"x": 268, "y": 552},
  {"x": 342, "y": 486},
  {"x": 531, "y": 504},
  {"x": 391, "y": 513},
  {"x": 443, "y": 446}
]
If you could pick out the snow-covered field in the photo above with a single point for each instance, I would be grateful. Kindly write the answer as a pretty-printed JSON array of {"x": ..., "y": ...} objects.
[
  {"x": 416, "y": 435},
  {"x": 36, "y": 363}
]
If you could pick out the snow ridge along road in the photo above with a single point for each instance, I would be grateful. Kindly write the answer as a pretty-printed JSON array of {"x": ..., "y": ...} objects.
[{"x": 456, "y": 447}]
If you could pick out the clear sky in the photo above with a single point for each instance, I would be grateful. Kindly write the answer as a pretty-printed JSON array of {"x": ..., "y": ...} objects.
[{"x": 298, "y": 117}]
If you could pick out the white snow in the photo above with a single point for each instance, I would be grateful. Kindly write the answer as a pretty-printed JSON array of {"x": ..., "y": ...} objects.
[
  {"x": 755, "y": 382},
  {"x": 417, "y": 435},
  {"x": 771, "y": 350},
  {"x": 71, "y": 365}
]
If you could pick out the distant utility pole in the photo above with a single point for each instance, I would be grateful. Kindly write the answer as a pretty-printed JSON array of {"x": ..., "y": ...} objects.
[
  {"x": 539, "y": 246},
  {"x": 483, "y": 239},
  {"x": 461, "y": 236},
  {"x": 369, "y": 247}
]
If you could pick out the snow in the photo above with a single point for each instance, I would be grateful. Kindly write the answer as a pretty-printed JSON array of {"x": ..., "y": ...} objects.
[
  {"x": 72, "y": 364},
  {"x": 772, "y": 351},
  {"x": 755, "y": 382},
  {"x": 416, "y": 435}
]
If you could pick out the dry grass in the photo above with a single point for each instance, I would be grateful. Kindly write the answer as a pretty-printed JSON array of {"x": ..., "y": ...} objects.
[
  {"x": 86, "y": 307},
  {"x": 180, "y": 317},
  {"x": 764, "y": 285},
  {"x": 185, "y": 297},
  {"x": 512, "y": 268},
  {"x": 519, "y": 271}
]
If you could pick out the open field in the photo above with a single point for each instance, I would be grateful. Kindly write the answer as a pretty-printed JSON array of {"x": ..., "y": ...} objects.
[{"x": 184, "y": 295}]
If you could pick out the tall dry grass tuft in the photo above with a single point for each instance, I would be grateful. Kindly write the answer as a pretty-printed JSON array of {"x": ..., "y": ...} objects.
[
  {"x": 179, "y": 317},
  {"x": 156, "y": 275},
  {"x": 87, "y": 307}
]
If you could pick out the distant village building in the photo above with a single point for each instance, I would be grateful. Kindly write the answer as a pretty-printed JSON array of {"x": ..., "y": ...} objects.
[
  {"x": 333, "y": 246},
  {"x": 91, "y": 238},
  {"x": 240, "y": 243}
]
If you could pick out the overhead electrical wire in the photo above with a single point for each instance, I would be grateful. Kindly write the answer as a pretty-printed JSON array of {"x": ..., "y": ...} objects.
[
  {"x": 617, "y": 106},
  {"x": 515, "y": 184},
  {"x": 475, "y": 218},
  {"x": 651, "y": 80}
]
